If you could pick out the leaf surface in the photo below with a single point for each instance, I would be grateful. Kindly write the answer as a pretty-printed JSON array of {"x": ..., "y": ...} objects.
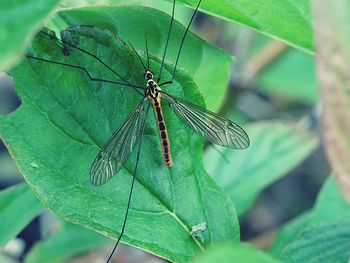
[
  {"x": 234, "y": 252},
  {"x": 322, "y": 243},
  {"x": 330, "y": 207},
  {"x": 287, "y": 20}
]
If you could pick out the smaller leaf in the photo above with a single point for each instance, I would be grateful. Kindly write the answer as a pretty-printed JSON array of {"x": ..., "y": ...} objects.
[
  {"x": 287, "y": 20},
  {"x": 68, "y": 241},
  {"x": 234, "y": 252},
  {"x": 18, "y": 206},
  {"x": 324, "y": 243},
  {"x": 329, "y": 208},
  {"x": 275, "y": 149},
  {"x": 289, "y": 231}
]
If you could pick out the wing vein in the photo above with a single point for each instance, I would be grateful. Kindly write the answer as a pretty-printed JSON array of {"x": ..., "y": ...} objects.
[
  {"x": 210, "y": 125},
  {"x": 118, "y": 148}
]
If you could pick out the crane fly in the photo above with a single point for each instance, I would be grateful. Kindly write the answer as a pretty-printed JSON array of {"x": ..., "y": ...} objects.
[
  {"x": 128, "y": 136},
  {"x": 116, "y": 151}
]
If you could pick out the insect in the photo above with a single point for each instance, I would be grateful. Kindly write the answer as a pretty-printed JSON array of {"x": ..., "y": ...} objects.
[{"x": 128, "y": 137}]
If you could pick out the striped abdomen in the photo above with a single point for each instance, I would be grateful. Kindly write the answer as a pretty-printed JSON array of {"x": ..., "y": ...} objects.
[{"x": 164, "y": 139}]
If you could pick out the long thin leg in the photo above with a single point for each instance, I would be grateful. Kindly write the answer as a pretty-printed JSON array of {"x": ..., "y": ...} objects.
[
  {"x": 131, "y": 189},
  {"x": 137, "y": 54},
  {"x": 88, "y": 53},
  {"x": 147, "y": 52},
  {"x": 87, "y": 73},
  {"x": 183, "y": 39},
  {"x": 167, "y": 42}
]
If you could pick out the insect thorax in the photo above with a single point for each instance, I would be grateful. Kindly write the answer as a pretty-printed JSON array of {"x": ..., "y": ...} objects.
[{"x": 153, "y": 92}]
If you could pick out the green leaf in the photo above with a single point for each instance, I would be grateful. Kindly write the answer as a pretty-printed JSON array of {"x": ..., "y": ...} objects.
[
  {"x": 275, "y": 149},
  {"x": 322, "y": 243},
  {"x": 133, "y": 24},
  {"x": 18, "y": 206},
  {"x": 19, "y": 20},
  {"x": 330, "y": 207},
  {"x": 289, "y": 232},
  {"x": 234, "y": 252},
  {"x": 286, "y": 20},
  {"x": 65, "y": 119},
  {"x": 68, "y": 241}
]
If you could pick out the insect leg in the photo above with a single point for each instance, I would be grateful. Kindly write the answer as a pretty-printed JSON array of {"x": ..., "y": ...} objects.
[
  {"x": 65, "y": 43},
  {"x": 132, "y": 186},
  {"x": 137, "y": 54},
  {"x": 86, "y": 72},
  {"x": 147, "y": 53}
]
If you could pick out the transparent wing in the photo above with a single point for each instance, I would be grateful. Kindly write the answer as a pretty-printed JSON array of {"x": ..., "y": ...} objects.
[
  {"x": 117, "y": 150},
  {"x": 210, "y": 125}
]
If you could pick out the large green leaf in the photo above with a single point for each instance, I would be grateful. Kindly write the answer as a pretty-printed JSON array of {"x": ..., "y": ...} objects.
[
  {"x": 275, "y": 149},
  {"x": 68, "y": 241},
  {"x": 18, "y": 206},
  {"x": 19, "y": 21},
  {"x": 234, "y": 252},
  {"x": 330, "y": 207},
  {"x": 208, "y": 65},
  {"x": 287, "y": 20},
  {"x": 328, "y": 243},
  {"x": 65, "y": 119}
]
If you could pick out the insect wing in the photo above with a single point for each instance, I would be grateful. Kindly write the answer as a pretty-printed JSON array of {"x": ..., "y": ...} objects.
[
  {"x": 213, "y": 127},
  {"x": 117, "y": 150}
]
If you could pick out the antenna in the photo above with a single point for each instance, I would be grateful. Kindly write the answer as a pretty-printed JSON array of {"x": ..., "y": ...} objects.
[
  {"x": 183, "y": 39},
  {"x": 167, "y": 42}
]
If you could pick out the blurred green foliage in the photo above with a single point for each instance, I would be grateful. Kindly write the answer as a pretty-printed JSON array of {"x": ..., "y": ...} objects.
[{"x": 64, "y": 119}]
